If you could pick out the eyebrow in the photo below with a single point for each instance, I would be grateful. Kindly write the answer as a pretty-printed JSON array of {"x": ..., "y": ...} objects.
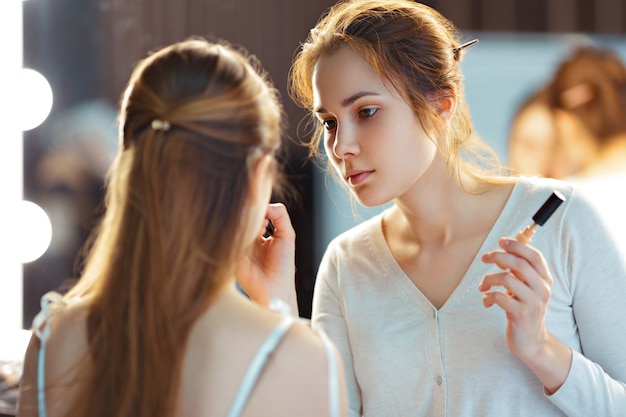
[{"x": 348, "y": 101}]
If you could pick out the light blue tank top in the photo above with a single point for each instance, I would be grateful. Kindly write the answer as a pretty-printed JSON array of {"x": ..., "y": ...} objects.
[{"x": 41, "y": 327}]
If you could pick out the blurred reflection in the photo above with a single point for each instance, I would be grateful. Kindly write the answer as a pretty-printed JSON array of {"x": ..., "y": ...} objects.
[
  {"x": 67, "y": 182},
  {"x": 532, "y": 137},
  {"x": 577, "y": 129}
]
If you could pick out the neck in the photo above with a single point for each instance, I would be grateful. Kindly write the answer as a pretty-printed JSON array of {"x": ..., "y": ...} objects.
[{"x": 441, "y": 208}]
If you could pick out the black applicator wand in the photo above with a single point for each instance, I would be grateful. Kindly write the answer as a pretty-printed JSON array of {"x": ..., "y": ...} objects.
[{"x": 541, "y": 216}]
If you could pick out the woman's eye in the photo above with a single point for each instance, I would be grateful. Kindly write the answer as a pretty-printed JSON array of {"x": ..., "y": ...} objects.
[
  {"x": 329, "y": 124},
  {"x": 367, "y": 112}
]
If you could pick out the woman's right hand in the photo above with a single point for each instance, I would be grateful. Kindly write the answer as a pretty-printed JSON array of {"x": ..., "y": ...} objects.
[
  {"x": 526, "y": 283},
  {"x": 268, "y": 270}
]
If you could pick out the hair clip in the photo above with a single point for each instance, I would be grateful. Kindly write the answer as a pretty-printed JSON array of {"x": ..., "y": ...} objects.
[
  {"x": 163, "y": 125},
  {"x": 457, "y": 50}
]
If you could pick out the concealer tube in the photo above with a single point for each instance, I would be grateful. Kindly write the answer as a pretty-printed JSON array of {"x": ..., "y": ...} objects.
[
  {"x": 541, "y": 216},
  {"x": 526, "y": 234}
]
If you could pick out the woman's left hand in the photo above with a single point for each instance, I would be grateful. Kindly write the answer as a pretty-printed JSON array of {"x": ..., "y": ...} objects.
[{"x": 528, "y": 283}]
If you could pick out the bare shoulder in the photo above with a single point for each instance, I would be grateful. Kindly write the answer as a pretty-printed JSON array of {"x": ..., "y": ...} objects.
[
  {"x": 302, "y": 342},
  {"x": 298, "y": 372},
  {"x": 65, "y": 348},
  {"x": 68, "y": 335},
  {"x": 294, "y": 380}
]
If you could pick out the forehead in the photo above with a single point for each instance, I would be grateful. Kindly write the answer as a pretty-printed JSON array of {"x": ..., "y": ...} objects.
[{"x": 341, "y": 74}]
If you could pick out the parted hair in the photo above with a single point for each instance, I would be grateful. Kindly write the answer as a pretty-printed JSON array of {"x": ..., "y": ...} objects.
[
  {"x": 413, "y": 48},
  {"x": 175, "y": 211}
]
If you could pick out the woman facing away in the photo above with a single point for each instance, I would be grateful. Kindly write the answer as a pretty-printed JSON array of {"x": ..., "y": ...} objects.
[
  {"x": 155, "y": 326},
  {"x": 587, "y": 96},
  {"x": 435, "y": 310},
  {"x": 574, "y": 128}
]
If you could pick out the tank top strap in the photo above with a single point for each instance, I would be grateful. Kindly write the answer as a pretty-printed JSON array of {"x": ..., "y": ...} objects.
[
  {"x": 41, "y": 328},
  {"x": 257, "y": 365},
  {"x": 334, "y": 402}
]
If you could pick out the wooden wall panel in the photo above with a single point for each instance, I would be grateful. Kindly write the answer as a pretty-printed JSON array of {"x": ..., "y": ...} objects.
[
  {"x": 594, "y": 16},
  {"x": 530, "y": 16},
  {"x": 498, "y": 15},
  {"x": 608, "y": 16},
  {"x": 561, "y": 17},
  {"x": 464, "y": 14}
]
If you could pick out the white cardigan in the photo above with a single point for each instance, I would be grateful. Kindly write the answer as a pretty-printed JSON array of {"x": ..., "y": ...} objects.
[{"x": 403, "y": 357}]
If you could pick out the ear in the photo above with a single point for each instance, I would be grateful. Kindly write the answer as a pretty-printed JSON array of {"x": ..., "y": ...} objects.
[
  {"x": 445, "y": 103},
  {"x": 260, "y": 184}
]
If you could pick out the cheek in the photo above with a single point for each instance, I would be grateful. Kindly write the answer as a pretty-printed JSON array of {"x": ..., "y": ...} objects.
[{"x": 418, "y": 145}]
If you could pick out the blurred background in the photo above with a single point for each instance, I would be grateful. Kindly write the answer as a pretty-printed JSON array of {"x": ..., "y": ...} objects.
[{"x": 85, "y": 49}]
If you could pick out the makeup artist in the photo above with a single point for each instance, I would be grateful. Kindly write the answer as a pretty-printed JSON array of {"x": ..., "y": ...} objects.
[{"x": 436, "y": 309}]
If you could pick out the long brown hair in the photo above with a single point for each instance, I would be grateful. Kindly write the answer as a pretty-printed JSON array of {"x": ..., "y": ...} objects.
[
  {"x": 193, "y": 120},
  {"x": 416, "y": 50}
]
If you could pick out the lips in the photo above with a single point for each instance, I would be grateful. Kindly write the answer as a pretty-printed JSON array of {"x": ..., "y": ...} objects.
[{"x": 357, "y": 177}]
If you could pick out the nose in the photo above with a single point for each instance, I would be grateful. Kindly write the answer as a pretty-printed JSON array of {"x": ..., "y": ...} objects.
[{"x": 345, "y": 145}]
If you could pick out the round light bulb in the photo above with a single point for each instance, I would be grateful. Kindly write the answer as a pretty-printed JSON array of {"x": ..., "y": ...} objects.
[
  {"x": 34, "y": 98},
  {"x": 29, "y": 231}
]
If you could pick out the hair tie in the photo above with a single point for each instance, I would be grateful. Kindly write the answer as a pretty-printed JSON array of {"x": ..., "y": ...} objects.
[
  {"x": 158, "y": 124},
  {"x": 457, "y": 50}
]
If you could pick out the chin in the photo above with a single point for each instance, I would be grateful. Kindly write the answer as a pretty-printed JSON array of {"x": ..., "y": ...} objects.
[{"x": 371, "y": 201}]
